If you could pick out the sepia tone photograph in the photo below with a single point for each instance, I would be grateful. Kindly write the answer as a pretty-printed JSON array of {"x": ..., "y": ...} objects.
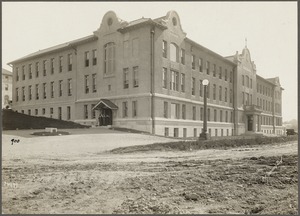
[{"x": 149, "y": 108}]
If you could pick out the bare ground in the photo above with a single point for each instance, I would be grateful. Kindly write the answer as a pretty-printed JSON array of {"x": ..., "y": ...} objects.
[{"x": 196, "y": 182}]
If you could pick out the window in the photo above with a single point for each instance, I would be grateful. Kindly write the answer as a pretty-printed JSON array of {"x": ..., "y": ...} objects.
[
  {"x": 174, "y": 80},
  {"x": 243, "y": 98},
  {"x": 208, "y": 114},
  {"x": 93, "y": 112},
  {"x": 135, "y": 47},
  {"x": 207, "y": 67},
  {"x": 60, "y": 64},
  {"x": 226, "y": 116},
  {"x": 194, "y": 113},
  {"x": 23, "y": 72},
  {"x": 225, "y": 94},
  {"x": 207, "y": 90},
  {"x": 17, "y": 94},
  {"x": 166, "y": 131},
  {"x": 86, "y": 58},
  {"x": 45, "y": 67},
  {"x": 134, "y": 108},
  {"x": 214, "y": 70},
  {"x": 200, "y": 65},
  {"x": 200, "y": 89},
  {"x": 36, "y": 112},
  {"x": 230, "y": 76},
  {"x": 250, "y": 99},
  {"x": 70, "y": 63},
  {"x": 52, "y": 66},
  {"x": 220, "y": 73},
  {"x": 164, "y": 80},
  {"x": 215, "y": 115},
  {"x": 231, "y": 117},
  {"x": 225, "y": 74},
  {"x": 60, "y": 87},
  {"x": 165, "y": 109},
  {"x": 44, "y": 91},
  {"x": 176, "y": 132},
  {"x": 243, "y": 80},
  {"x": 109, "y": 58},
  {"x": 94, "y": 88},
  {"x": 195, "y": 132},
  {"x": 174, "y": 111},
  {"x": 6, "y": 87},
  {"x": 69, "y": 87},
  {"x": 68, "y": 112},
  {"x": 216, "y": 132},
  {"x": 193, "y": 85},
  {"x": 135, "y": 76},
  {"x": 230, "y": 96},
  {"x": 214, "y": 91},
  {"x": 86, "y": 114},
  {"x": 29, "y": 112},
  {"x": 52, "y": 89},
  {"x": 247, "y": 99},
  {"x": 182, "y": 56},
  {"x": 29, "y": 92},
  {"x": 247, "y": 81},
  {"x": 183, "y": 110},
  {"x": 37, "y": 91},
  {"x": 125, "y": 109},
  {"x": 221, "y": 115},
  {"x": 250, "y": 83},
  {"x": 220, "y": 93},
  {"x": 173, "y": 52},
  {"x": 59, "y": 113},
  {"x": 17, "y": 74},
  {"x": 184, "y": 132},
  {"x": 94, "y": 57},
  {"x": 30, "y": 71},
  {"x": 182, "y": 82},
  {"x": 125, "y": 78},
  {"x": 164, "y": 51},
  {"x": 86, "y": 84},
  {"x": 201, "y": 113},
  {"x": 193, "y": 62},
  {"x": 43, "y": 111}
]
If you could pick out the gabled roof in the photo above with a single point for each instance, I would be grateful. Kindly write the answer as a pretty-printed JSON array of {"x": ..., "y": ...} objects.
[
  {"x": 6, "y": 72},
  {"x": 209, "y": 51},
  {"x": 56, "y": 48},
  {"x": 140, "y": 22},
  {"x": 106, "y": 103}
]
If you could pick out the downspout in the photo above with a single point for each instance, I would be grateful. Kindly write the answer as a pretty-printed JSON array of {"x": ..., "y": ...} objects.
[
  {"x": 234, "y": 102},
  {"x": 152, "y": 78}
]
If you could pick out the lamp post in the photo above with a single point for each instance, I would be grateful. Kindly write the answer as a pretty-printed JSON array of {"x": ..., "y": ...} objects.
[{"x": 204, "y": 134}]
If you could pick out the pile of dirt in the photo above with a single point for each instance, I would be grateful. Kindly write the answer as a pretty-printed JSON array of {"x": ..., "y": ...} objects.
[
  {"x": 222, "y": 187},
  {"x": 12, "y": 120},
  {"x": 206, "y": 144}
]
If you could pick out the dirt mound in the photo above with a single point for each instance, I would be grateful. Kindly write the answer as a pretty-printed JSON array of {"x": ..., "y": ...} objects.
[
  {"x": 206, "y": 144},
  {"x": 12, "y": 120}
]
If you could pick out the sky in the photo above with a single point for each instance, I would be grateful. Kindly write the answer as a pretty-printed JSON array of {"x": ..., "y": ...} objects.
[{"x": 270, "y": 29}]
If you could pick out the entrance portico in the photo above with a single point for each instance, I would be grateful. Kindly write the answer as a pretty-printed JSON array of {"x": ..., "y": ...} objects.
[
  {"x": 252, "y": 123},
  {"x": 105, "y": 110}
]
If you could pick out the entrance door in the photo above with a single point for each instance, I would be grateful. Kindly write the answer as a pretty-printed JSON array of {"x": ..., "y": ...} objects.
[
  {"x": 250, "y": 123},
  {"x": 105, "y": 117}
]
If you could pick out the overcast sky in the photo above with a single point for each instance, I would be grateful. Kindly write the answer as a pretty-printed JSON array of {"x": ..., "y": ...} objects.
[{"x": 270, "y": 29}]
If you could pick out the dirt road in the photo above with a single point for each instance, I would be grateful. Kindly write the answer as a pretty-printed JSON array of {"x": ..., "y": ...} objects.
[{"x": 241, "y": 180}]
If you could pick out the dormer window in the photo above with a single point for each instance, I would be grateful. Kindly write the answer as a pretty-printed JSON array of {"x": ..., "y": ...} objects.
[{"x": 174, "y": 21}]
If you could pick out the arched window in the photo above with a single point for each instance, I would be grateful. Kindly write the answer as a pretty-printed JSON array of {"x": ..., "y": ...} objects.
[
  {"x": 174, "y": 52},
  {"x": 109, "y": 58}
]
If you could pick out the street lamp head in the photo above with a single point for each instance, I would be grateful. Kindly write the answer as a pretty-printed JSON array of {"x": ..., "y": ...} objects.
[{"x": 205, "y": 82}]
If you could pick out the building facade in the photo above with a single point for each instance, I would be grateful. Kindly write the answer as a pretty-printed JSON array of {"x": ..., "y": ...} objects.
[
  {"x": 6, "y": 88},
  {"x": 146, "y": 75}
]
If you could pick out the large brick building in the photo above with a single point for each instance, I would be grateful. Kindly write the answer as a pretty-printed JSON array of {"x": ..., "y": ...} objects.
[{"x": 147, "y": 75}]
